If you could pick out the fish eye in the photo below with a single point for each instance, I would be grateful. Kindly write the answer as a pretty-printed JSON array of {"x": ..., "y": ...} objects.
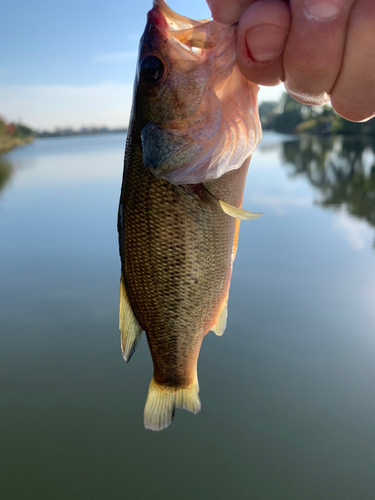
[{"x": 151, "y": 69}]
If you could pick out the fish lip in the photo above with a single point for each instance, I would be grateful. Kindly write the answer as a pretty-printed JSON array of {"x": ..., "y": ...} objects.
[
  {"x": 156, "y": 17},
  {"x": 167, "y": 12}
]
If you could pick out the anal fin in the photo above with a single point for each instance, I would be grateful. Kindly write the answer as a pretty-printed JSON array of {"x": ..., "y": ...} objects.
[
  {"x": 130, "y": 329},
  {"x": 221, "y": 320}
]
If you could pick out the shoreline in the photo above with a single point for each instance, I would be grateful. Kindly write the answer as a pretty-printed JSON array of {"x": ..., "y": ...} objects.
[{"x": 7, "y": 143}]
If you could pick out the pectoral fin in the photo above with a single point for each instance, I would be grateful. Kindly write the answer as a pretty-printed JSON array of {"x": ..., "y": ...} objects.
[
  {"x": 130, "y": 329},
  {"x": 221, "y": 320},
  {"x": 237, "y": 213}
]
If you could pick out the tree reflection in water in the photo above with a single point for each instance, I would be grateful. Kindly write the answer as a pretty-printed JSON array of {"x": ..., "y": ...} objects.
[
  {"x": 6, "y": 171},
  {"x": 342, "y": 168}
]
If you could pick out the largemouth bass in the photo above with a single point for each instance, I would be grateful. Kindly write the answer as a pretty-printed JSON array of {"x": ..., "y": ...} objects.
[{"x": 193, "y": 128}]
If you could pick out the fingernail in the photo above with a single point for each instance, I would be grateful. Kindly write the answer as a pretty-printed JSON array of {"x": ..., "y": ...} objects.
[
  {"x": 319, "y": 10},
  {"x": 265, "y": 42}
]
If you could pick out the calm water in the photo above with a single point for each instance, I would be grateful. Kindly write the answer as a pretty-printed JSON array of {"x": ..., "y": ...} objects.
[{"x": 288, "y": 393}]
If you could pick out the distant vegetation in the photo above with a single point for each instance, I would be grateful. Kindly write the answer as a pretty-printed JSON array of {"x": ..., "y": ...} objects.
[
  {"x": 12, "y": 135},
  {"x": 290, "y": 117},
  {"x": 65, "y": 132}
]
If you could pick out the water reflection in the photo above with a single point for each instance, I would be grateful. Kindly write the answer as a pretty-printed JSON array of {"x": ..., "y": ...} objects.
[
  {"x": 342, "y": 168},
  {"x": 288, "y": 389},
  {"x": 5, "y": 172}
]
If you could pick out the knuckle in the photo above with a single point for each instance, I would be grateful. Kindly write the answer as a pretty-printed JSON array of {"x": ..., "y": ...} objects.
[
  {"x": 351, "y": 109},
  {"x": 311, "y": 63},
  {"x": 268, "y": 75},
  {"x": 312, "y": 83}
]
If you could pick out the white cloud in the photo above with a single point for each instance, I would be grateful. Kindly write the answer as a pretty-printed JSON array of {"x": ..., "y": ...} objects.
[
  {"x": 115, "y": 57},
  {"x": 281, "y": 203},
  {"x": 355, "y": 231},
  {"x": 50, "y": 106}
]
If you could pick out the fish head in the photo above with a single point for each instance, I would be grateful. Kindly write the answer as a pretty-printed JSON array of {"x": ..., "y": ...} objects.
[
  {"x": 194, "y": 109},
  {"x": 176, "y": 64}
]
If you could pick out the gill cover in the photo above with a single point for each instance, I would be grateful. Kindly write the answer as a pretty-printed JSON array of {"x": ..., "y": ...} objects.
[{"x": 201, "y": 117}]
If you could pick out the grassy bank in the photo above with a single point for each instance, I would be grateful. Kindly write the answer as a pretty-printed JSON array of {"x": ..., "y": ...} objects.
[{"x": 13, "y": 135}]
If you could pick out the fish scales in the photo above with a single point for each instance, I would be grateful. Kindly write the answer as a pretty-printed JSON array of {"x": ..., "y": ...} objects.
[
  {"x": 185, "y": 167},
  {"x": 177, "y": 259}
]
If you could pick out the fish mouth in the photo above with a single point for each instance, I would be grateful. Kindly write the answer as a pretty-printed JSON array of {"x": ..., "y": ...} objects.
[
  {"x": 190, "y": 34},
  {"x": 156, "y": 18},
  {"x": 173, "y": 20},
  {"x": 187, "y": 37}
]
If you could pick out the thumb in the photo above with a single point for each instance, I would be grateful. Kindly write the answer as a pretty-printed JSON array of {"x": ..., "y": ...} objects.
[{"x": 262, "y": 34}]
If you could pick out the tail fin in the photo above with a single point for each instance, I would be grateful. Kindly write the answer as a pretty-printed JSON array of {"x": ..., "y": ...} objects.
[{"x": 161, "y": 403}]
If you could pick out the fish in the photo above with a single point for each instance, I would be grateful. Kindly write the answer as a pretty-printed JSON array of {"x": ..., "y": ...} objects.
[{"x": 193, "y": 127}]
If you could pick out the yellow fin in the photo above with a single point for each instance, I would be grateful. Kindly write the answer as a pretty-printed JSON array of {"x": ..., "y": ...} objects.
[
  {"x": 221, "y": 321},
  {"x": 161, "y": 403},
  {"x": 237, "y": 213},
  {"x": 235, "y": 243},
  {"x": 130, "y": 329}
]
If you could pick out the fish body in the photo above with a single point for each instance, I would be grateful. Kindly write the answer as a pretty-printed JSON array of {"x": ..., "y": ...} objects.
[{"x": 177, "y": 241}]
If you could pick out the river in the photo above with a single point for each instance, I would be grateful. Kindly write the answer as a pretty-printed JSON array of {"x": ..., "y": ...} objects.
[{"x": 288, "y": 392}]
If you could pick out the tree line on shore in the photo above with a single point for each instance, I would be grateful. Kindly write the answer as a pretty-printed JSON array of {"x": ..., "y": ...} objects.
[
  {"x": 16, "y": 134},
  {"x": 12, "y": 135},
  {"x": 68, "y": 131},
  {"x": 291, "y": 117}
]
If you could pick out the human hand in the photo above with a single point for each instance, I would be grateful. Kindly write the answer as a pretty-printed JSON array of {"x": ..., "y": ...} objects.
[{"x": 321, "y": 49}]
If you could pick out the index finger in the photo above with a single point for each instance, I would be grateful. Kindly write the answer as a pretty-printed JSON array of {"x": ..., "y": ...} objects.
[{"x": 315, "y": 47}]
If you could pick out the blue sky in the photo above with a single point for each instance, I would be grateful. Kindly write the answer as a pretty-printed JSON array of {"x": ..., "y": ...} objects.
[{"x": 72, "y": 63}]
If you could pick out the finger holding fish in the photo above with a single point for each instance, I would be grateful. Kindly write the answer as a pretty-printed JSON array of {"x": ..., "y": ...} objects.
[
  {"x": 315, "y": 48},
  {"x": 262, "y": 33},
  {"x": 353, "y": 95},
  {"x": 321, "y": 49}
]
